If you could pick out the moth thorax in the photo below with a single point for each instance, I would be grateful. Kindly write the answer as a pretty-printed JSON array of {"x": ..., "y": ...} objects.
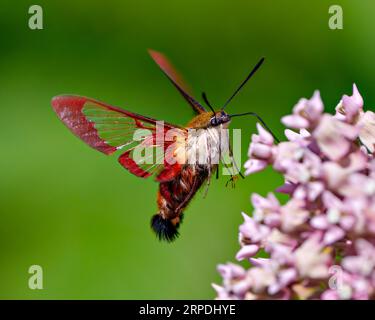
[{"x": 206, "y": 146}]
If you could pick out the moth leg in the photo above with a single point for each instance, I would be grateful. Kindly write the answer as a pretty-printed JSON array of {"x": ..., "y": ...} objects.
[
  {"x": 229, "y": 171},
  {"x": 188, "y": 197},
  {"x": 234, "y": 162},
  {"x": 208, "y": 184},
  {"x": 218, "y": 167},
  {"x": 233, "y": 175},
  {"x": 232, "y": 180}
]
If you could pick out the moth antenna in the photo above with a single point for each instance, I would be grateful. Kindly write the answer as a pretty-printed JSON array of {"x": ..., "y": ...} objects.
[
  {"x": 260, "y": 119},
  {"x": 207, "y": 102},
  {"x": 244, "y": 82}
]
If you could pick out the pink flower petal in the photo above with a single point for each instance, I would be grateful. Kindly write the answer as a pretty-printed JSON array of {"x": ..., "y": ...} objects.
[
  {"x": 264, "y": 135},
  {"x": 315, "y": 106},
  {"x": 314, "y": 190},
  {"x": 246, "y": 217},
  {"x": 287, "y": 276},
  {"x": 367, "y": 131},
  {"x": 347, "y": 222},
  {"x": 259, "y": 150},
  {"x": 319, "y": 222},
  {"x": 334, "y": 174},
  {"x": 247, "y": 251},
  {"x": 272, "y": 219},
  {"x": 287, "y": 188},
  {"x": 331, "y": 201},
  {"x": 292, "y": 135},
  {"x": 295, "y": 121},
  {"x": 332, "y": 137},
  {"x": 332, "y": 235},
  {"x": 254, "y": 165},
  {"x": 352, "y": 104},
  {"x": 270, "y": 203},
  {"x": 231, "y": 270},
  {"x": 260, "y": 262},
  {"x": 330, "y": 295}
]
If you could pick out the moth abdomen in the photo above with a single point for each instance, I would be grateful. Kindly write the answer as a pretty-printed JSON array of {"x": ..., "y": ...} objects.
[{"x": 173, "y": 197}]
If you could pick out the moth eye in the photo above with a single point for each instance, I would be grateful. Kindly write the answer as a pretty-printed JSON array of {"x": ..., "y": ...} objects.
[{"x": 214, "y": 121}]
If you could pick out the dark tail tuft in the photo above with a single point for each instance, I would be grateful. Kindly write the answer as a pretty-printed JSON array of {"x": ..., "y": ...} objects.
[{"x": 165, "y": 229}]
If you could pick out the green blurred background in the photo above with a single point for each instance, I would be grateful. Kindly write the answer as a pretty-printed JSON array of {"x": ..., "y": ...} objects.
[{"x": 81, "y": 216}]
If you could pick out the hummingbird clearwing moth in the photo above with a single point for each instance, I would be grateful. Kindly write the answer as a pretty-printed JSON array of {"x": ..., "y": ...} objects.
[{"x": 107, "y": 129}]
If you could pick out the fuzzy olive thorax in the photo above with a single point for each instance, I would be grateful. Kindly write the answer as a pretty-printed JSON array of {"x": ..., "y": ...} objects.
[{"x": 209, "y": 119}]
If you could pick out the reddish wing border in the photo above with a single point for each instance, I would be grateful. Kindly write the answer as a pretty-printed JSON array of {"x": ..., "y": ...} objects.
[
  {"x": 69, "y": 110},
  {"x": 166, "y": 66}
]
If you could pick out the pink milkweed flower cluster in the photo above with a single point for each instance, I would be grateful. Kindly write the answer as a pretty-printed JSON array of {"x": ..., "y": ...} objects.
[{"x": 320, "y": 244}]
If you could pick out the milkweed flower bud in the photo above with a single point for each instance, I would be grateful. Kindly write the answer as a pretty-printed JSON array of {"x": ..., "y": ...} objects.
[
  {"x": 260, "y": 151},
  {"x": 320, "y": 243}
]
